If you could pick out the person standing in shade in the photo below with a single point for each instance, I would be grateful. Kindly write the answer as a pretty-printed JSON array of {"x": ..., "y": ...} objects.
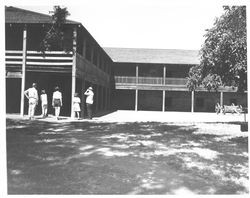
[
  {"x": 57, "y": 102},
  {"x": 89, "y": 101},
  {"x": 44, "y": 103},
  {"x": 76, "y": 105},
  {"x": 32, "y": 96}
]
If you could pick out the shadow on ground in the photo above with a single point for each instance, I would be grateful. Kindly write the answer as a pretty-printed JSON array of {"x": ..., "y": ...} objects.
[{"x": 129, "y": 158}]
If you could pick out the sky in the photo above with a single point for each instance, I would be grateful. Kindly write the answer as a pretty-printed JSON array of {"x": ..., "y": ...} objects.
[{"x": 162, "y": 24}]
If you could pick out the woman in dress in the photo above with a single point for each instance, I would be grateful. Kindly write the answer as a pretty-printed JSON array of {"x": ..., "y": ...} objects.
[
  {"x": 57, "y": 102},
  {"x": 76, "y": 105}
]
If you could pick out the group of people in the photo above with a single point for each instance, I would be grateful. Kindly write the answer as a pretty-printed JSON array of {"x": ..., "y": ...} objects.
[{"x": 32, "y": 95}]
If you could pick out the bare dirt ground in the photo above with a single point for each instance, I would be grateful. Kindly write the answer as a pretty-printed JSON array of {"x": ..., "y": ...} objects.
[{"x": 98, "y": 157}]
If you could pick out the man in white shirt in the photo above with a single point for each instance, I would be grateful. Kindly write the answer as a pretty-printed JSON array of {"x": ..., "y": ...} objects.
[
  {"x": 89, "y": 101},
  {"x": 32, "y": 96}
]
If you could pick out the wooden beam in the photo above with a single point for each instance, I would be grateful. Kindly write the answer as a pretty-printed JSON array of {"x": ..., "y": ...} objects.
[
  {"x": 73, "y": 77},
  {"x": 163, "y": 100},
  {"x": 136, "y": 100},
  {"x": 23, "y": 70},
  {"x": 164, "y": 74},
  {"x": 221, "y": 100},
  {"x": 192, "y": 101},
  {"x": 137, "y": 74}
]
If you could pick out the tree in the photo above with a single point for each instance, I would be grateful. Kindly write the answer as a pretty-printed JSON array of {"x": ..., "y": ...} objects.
[
  {"x": 223, "y": 56},
  {"x": 55, "y": 36}
]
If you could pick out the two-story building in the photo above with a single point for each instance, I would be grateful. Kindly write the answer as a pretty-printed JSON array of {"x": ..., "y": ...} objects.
[
  {"x": 122, "y": 78},
  {"x": 85, "y": 63},
  {"x": 155, "y": 79}
]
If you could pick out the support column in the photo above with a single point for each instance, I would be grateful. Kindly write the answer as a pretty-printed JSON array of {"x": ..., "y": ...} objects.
[
  {"x": 73, "y": 77},
  {"x": 192, "y": 101},
  {"x": 164, "y": 92},
  {"x": 163, "y": 100},
  {"x": 136, "y": 91},
  {"x": 136, "y": 100},
  {"x": 23, "y": 70},
  {"x": 221, "y": 100}
]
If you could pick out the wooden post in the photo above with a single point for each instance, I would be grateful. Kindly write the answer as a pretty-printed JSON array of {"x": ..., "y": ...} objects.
[
  {"x": 136, "y": 91},
  {"x": 23, "y": 70},
  {"x": 73, "y": 77},
  {"x": 136, "y": 100},
  {"x": 163, "y": 100},
  {"x": 221, "y": 100},
  {"x": 192, "y": 101},
  {"x": 164, "y": 92},
  {"x": 137, "y": 74},
  {"x": 164, "y": 75}
]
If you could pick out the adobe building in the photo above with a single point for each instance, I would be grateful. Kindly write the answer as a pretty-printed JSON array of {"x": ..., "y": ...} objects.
[
  {"x": 155, "y": 79},
  {"x": 122, "y": 78},
  {"x": 85, "y": 63}
]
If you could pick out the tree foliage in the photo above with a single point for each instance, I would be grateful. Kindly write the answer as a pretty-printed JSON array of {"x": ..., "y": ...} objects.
[
  {"x": 55, "y": 36},
  {"x": 223, "y": 56}
]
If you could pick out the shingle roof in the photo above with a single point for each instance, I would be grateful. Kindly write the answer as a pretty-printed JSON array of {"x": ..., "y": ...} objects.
[
  {"x": 160, "y": 56},
  {"x": 18, "y": 15}
]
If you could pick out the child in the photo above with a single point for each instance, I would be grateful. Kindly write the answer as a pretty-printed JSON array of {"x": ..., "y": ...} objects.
[
  {"x": 76, "y": 105},
  {"x": 44, "y": 103}
]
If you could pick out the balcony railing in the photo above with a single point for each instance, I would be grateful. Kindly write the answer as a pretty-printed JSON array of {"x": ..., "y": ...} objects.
[
  {"x": 131, "y": 80},
  {"x": 50, "y": 61}
]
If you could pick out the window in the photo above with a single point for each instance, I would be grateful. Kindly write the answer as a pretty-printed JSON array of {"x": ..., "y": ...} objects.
[{"x": 200, "y": 102}]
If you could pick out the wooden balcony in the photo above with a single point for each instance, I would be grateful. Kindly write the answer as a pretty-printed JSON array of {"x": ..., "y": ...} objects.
[
  {"x": 131, "y": 80},
  {"x": 50, "y": 61},
  {"x": 53, "y": 61},
  {"x": 157, "y": 83}
]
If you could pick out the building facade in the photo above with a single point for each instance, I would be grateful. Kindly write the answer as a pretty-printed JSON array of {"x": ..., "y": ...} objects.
[
  {"x": 122, "y": 78},
  {"x": 155, "y": 79},
  {"x": 85, "y": 63}
]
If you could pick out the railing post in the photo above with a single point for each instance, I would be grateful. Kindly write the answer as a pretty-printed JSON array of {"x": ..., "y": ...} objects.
[
  {"x": 73, "y": 78},
  {"x": 23, "y": 69}
]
